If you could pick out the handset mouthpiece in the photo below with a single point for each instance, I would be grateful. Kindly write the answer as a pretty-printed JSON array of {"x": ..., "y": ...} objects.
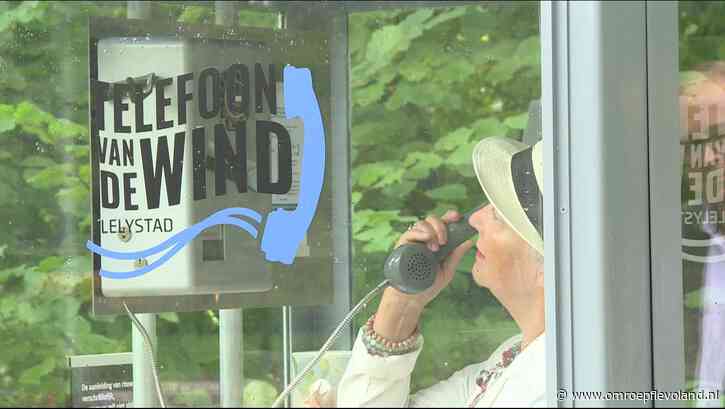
[{"x": 412, "y": 268}]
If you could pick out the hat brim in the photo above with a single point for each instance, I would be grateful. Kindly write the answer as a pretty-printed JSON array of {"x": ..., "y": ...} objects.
[{"x": 492, "y": 164}]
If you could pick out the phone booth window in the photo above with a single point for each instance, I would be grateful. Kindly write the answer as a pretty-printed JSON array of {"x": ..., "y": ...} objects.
[
  {"x": 438, "y": 96},
  {"x": 196, "y": 197},
  {"x": 55, "y": 351}
]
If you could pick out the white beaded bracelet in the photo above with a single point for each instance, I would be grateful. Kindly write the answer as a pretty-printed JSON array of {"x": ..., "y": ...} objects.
[{"x": 377, "y": 345}]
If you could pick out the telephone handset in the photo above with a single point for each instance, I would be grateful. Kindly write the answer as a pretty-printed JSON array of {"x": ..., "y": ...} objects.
[{"x": 412, "y": 268}]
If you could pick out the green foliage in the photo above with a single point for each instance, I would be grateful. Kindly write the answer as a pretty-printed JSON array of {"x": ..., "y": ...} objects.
[
  {"x": 44, "y": 196},
  {"x": 45, "y": 215},
  {"x": 693, "y": 299},
  {"x": 258, "y": 393},
  {"x": 427, "y": 85}
]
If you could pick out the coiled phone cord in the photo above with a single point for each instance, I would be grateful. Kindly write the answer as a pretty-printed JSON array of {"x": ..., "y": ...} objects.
[
  {"x": 335, "y": 334},
  {"x": 149, "y": 345}
]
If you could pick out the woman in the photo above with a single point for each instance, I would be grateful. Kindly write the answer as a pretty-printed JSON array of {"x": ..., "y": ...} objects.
[{"x": 509, "y": 262}]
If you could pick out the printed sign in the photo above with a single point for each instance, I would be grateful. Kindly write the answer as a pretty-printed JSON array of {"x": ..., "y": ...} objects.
[
  {"x": 208, "y": 160},
  {"x": 101, "y": 381}
]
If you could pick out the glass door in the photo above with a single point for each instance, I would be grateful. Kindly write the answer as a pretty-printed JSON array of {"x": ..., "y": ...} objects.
[{"x": 687, "y": 126}]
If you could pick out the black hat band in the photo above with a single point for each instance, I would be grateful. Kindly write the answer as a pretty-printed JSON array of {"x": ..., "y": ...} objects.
[{"x": 527, "y": 190}]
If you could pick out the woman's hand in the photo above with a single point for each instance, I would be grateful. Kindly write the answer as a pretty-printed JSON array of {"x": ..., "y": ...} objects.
[
  {"x": 321, "y": 395},
  {"x": 398, "y": 313},
  {"x": 433, "y": 232}
]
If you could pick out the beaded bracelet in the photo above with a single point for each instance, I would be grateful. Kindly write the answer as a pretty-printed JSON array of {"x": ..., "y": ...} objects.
[{"x": 379, "y": 346}]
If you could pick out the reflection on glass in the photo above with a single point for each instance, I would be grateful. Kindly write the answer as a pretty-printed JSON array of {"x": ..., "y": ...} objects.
[{"x": 702, "y": 119}]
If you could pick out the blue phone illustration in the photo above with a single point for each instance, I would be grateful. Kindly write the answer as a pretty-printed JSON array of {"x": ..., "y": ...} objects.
[{"x": 284, "y": 229}]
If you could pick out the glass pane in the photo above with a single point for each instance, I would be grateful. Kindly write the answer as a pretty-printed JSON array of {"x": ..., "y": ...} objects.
[
  {"x": 702, "y": 119},
  {"x": 427, "y": 85},
  {"x": 45, "y": 284}
]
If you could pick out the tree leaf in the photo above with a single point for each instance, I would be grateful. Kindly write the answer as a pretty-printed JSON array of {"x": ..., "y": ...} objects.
[
  {"x": 53, "y": 176},
  {"x": 385, "y": 44},
  {"x": 12, "y": 272},
  {"x": 447, "y": 192},
  {"x": 454, "y": 139},
  {"x": 355, "y": 197},
  {"x": 84, "y": 172},
  {"x": 377, "y": 231},
  {"x": 95, "y": 343},
  {"x": 529, "y": 51},
  {"x": 446, "y": 15},
  {"x": 517, "y": 121},
  {"x": 63, "y": 129},
  {"x": 369, "y": 94},
  {"x": 693, "y": 299},
  {"x": 7, "y": 118},
  {"x": 488, "y": 127},
  {"x": 37, "y": 161},
  {"x": 462, "y": 155},
  {"x": 195, "y": 14},
  {"x": 388, "y": 42},
  {"x": 34, "y": 374},
  {"x": 74, "y": 199},
  {"x": 392, "y": 177},
  {"x": 51, "y": 263},
  {"x": 420, "y": 164},
  {"x": 371, "y": 174},
  {"x": 170, "y": 317},
  {"x": 8, "y": 194},
  {"x": 29, "y": 114}
]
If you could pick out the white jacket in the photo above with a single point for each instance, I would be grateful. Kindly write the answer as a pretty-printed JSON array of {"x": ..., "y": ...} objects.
[{"x": 373, "y": 381}]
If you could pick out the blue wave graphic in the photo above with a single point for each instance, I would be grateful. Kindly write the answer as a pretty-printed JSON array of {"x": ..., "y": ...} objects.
[{"x": 176, "y": 242}]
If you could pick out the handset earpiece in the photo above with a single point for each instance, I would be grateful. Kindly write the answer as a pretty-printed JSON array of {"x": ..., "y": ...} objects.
[{"x": 412, "y": 268}]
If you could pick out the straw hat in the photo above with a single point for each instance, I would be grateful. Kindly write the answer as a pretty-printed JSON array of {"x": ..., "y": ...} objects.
[{"x": 511, "y": 174}]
